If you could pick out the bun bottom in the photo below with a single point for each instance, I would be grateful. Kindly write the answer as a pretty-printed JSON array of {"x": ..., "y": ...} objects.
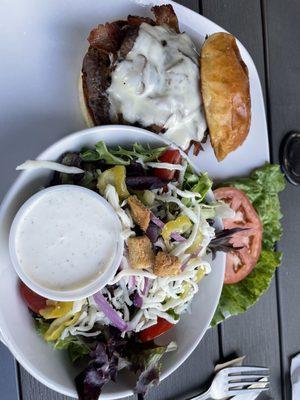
[{"x": 83, "y": 106}]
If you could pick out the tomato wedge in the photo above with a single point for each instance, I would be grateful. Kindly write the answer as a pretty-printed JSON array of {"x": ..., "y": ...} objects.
[
  {"x": 154, "y": 331},
  {"x": 169, "y": 156},
  {"x": 33, "y": 300},
  {"x": 240, "y": 262}
]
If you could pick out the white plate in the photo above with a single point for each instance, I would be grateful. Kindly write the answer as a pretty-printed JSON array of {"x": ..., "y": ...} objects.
[{"x": 41, "y": 60}]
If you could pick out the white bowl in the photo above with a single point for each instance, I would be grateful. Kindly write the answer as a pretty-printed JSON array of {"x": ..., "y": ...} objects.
[{"x": 52, "y": 367}]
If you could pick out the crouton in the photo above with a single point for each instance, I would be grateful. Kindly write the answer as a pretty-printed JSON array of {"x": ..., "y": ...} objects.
[
  {"x": 140, "y": 251},
  {"x": 166, "y": 264},
  {"x": 140, "y": 213}
]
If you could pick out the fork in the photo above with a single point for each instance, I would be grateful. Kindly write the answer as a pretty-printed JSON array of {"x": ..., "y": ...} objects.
[{"x": 235, "y": 381}]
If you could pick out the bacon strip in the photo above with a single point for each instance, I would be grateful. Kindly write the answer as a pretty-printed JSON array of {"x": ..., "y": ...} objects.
[
  {"x": 96, "y": 72},
  {"x": 165, "y": 15},
  {"x": 106, "y": 37}
]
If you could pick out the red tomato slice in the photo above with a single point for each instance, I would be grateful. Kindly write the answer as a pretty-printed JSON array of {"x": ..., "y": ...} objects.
[
  {"x": 33, "y": 300},
  {"x": 169, "y": 156},
  {"x": 154, "y": 331},
  {"x": 240, "y": 262}
]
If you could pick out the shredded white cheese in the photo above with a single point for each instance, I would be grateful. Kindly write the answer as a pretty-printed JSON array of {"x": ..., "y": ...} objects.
[
  {"x": 54, "y": 166},
  {"x": 172, "y": 167},
  {"x": 184, "y": 193},
  {"x": 132, "y": 272},
  {"x": 112, "y": 197}
]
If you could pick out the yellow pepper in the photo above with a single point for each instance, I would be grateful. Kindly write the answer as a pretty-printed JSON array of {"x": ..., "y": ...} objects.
[
  {"x": 196, "y": 244},
  {"x": 200, "y": 274},
  {"x": 57, "y": 327},
  {"x": 180, "y": 225},
  {"x": 115, "y": 176},
  {"x": 56, "y": 309},
  {"x": 186, "y": 288}
]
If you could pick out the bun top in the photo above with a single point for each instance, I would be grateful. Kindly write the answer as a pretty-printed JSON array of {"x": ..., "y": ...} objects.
[{"x": 226, "y": 93}]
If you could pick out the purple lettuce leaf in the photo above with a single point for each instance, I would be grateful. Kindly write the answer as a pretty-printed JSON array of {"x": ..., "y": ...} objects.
[
  {"x": 135, "y": 169},
  {"x": 147, "y": 378},
  {"x": 103, "y": 365},
  {"x": 141, "y": 358},
  {"x": 145, "y": 363},
  {"x": 153, "y": 232},
  {"x": 90, "y": 381}
]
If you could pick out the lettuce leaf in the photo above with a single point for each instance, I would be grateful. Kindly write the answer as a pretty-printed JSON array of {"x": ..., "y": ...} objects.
[
  {"x": 146, "y": 364},
  {"x": 41, "y": 325},
  {"x": 76, "y": 347},
  {"x": 262, "y": 188},
  {"x": 237, "y": 298},
  {"x": 196, "y": 183},
  {"x": 121, "y": 156},
  {"x": 138, "y": 151},
  {"x": 102, "y": 153},
  {"x": 73, "y": 344}
]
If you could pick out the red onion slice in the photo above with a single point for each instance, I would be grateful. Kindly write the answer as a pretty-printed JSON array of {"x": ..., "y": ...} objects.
[
  {"x": 110, "y": 312},
  {"x": 156, "y": 221}
]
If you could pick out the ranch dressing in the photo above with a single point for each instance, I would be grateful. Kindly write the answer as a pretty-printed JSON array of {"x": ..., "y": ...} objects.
[
  {"x": 66, "y": 238},
  {"x": 158, "y": 83}
]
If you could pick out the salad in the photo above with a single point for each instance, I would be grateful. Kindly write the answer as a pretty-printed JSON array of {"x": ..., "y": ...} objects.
[
  {"x": 168, "y": 213},
  {"x": 168, "y": 229}
]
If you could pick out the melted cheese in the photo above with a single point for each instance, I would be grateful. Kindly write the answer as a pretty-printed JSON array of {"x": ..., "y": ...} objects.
[{"x": 158, "y": 83}]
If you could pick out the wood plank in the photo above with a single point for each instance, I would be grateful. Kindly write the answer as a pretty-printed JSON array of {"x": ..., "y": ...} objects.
[
  {"x": 255, "y": 333},
  {"x": 33, "y": 389},
  {"x": 8, "y": 375},
  {"x": 283, "y": 32}
]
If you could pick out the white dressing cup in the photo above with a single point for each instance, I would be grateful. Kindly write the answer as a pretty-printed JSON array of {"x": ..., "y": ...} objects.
[{"x": 65, "y": 242}]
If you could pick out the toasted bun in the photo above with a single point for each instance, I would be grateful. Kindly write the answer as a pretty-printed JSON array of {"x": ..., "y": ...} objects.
[
  {"x": 83, "y": 106},
  {"x": 226, "y": 93}
]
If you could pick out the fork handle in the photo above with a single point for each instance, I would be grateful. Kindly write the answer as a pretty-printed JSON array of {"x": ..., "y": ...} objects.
[{"x": 202, "y": 396}]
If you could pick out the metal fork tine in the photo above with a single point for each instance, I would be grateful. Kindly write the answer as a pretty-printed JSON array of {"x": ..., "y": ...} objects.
[
  {"x": 233, "y": 392},
  {"x": 234, "y": 378},
  {"x": 240, "y": 384},
  {"x": 239, "y": 370}
]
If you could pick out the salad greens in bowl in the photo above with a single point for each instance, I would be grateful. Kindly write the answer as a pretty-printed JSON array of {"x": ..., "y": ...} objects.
[{"x": 147, "y": 320}]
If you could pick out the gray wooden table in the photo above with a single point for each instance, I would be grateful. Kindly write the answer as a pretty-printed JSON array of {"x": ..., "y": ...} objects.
[{"x": 269, "y": 334}]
